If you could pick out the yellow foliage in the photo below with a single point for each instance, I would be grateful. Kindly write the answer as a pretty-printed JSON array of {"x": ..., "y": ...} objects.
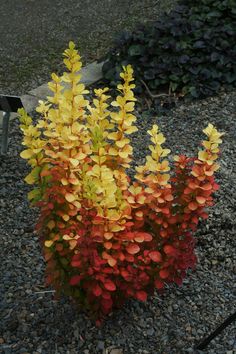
[{"x": 88, "y": 142}]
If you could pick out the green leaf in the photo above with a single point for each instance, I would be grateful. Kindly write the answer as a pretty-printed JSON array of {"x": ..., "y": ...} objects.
[
  {"x": 135, "y": 50},
  {"x": 34, "y": 195},
  {"x": 193, "y": 91}
]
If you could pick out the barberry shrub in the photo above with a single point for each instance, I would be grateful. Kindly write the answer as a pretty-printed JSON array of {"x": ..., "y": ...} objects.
[{"x": 105, "y": 237}]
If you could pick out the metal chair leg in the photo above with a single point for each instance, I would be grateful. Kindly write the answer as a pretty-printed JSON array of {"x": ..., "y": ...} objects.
[{"x": 5, "y": 129}]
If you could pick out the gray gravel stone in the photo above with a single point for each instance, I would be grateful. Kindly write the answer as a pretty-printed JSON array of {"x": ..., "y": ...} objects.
[
  {"x": 34, "y": 33},
  {"x": 168, "y": 323}
]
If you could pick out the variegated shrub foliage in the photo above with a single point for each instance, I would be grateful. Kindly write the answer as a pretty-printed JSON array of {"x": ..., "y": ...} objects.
[{"x": 107, "y": 238}]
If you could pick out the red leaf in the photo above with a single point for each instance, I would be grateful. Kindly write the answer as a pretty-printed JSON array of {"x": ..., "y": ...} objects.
[
  {"x": 107, "y": 305},
  {"x": 170, "y": 250},
  {"x": 159, "y": 284},
  {"x": 107, "y": 270},
  {"x": 132, "y": 248},
  {"x": 126, "y": 275},
  {"x": 129, "y": 258},
  {"x": 76, "y": 264},
  {"x": 97, "y": 291},
  {"x": 109, "y": 285},
  {"x": 155, "y": 256},
  {"x": 141, "y": 295},
  {"x": 106, "y": 295},
  {"x": 75, "y": 279},
  {"x": 204, "y": 215},
  {"x": 178, "y": 281},
  {"x": 164, "y": 273}
]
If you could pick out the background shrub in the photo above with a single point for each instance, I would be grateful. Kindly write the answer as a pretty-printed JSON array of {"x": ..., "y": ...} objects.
[{"x": 191, "y": 50}]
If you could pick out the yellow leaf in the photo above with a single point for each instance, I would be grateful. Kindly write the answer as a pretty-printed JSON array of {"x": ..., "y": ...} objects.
[
  {"x": 112, "y": 262},
  {"x": 51, "y": 224},
  {"x": 26, "y": 154},
  {"x": 113, "y": 136},
  {"x": 55, "y": 78},
  {"x": 65, "y": 217},
  {"x": 74, "y": 162},
  {"x": 123, "y": 154},
  {"x": 48, "y": 243},
  {"x": 113, "y": 152},
  {"x": 64, "y": 181},
  {"x": 131, "y": 130},
  {"x": 30, "y": 179},
  {"x": 66, "y": 237},
  {"x": 73, "y": 244},
  {"x": 122, "y": 143},
  {"x": 77, "y": 204},
  {"x": 116, "y": 228},
  {"x": 70, "y": 197},
  {"x": 129, "y": 107}
]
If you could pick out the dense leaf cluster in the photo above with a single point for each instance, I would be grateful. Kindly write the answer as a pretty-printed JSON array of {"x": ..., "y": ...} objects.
[
  {"x": 191, "y": 50},
  {"x": 107, "y": 238}
]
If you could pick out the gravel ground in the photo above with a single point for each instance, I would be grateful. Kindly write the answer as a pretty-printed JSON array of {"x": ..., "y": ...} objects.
[
  {"x": 170, "y": 323},
  {"x": 33, "y": 34}
]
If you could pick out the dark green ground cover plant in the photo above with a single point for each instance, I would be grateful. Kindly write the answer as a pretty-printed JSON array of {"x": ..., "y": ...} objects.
[{"x": 190, "y": 51}]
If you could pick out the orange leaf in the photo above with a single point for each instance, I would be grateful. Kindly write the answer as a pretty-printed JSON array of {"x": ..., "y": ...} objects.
[
  {"x": 109, "y": 285},
  {"x": 132, "y": 248},
  {"x": 108, "y": 245},
  {"x": 121, "y": 256},
  {"x": 108, "y": 235},
  {"x": 155, "y": 256},
  {"x": 193, "y": 185},
  {"x": 141, "y": 295},
  {"x": 169, "y": 197},
  {"x": 206, "y": 187},
  {"x": 200, "y": 200},
  {"x": 105, "y": 255},
  {"x": 164, "y": 273},
  {"x": 45, "y": 173},
  {"x": 147, "y": 237},
  {"x": 193, "y": 206}
]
